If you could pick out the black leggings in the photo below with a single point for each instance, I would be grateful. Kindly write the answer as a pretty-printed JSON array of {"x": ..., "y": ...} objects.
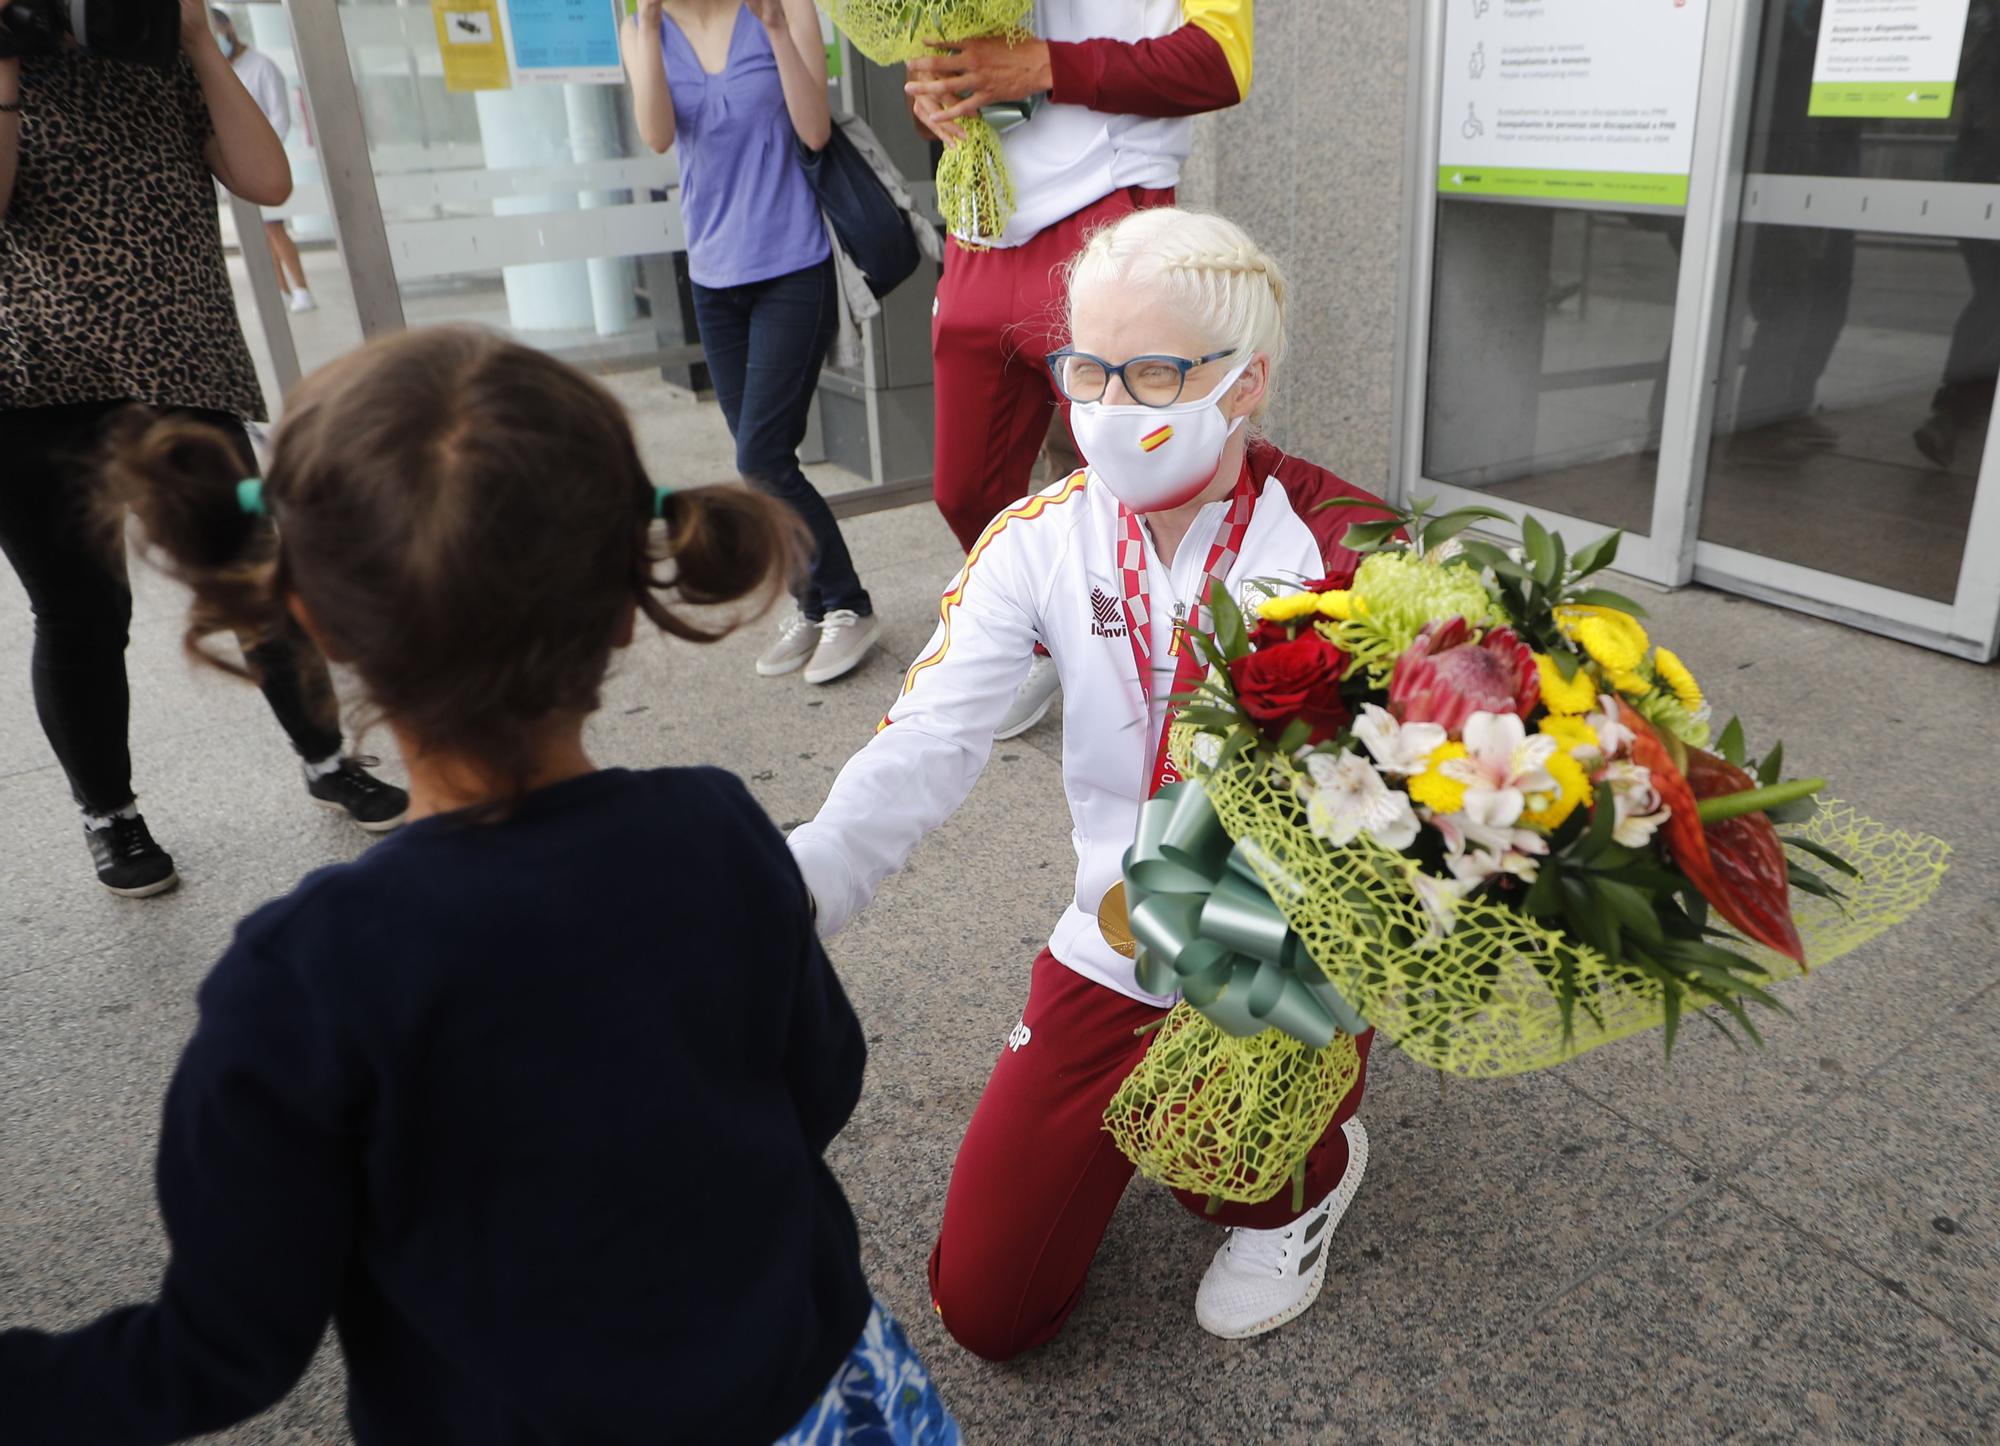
[{"x": 83, "y": 607}]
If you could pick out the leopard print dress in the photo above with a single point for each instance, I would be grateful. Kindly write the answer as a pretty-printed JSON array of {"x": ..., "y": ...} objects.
[{"x": 112, "y": 284}]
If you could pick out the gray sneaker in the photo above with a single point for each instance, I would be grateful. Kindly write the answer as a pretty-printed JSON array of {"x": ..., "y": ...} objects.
[
  {"x": 1031, "y": 704},
  {"x": 798, "y": 635},
  {"x": 845, "y": 640}
]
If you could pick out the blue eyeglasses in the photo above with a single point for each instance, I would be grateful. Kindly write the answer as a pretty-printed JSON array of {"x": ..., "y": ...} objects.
[{"x": 1152, "y": 381}]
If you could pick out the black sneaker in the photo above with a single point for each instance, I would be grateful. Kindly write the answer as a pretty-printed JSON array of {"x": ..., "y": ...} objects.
[
  {"x": 351, "y": 788},
  {"x": 128, "y": 862}
]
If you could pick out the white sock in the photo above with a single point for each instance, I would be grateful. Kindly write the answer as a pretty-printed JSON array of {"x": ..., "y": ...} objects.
[
  {"x": 98, "y": 822},
  {"x": 329, "y": 764}
]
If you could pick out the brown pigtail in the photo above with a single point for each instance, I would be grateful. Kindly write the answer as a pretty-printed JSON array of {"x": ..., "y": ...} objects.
[
  {"x": 723, "y": 543},
  {"x": 178, "y": 478}
]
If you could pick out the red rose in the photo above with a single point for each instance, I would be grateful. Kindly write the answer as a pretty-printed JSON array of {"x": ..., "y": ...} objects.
[
  {"x": 1287, "y": 681},
  {"x": 1268, "y": 634},
  {"x": 1336, "y": 581}
]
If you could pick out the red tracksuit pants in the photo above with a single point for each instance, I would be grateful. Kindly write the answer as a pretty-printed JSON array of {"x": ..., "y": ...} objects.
[
  {"x": 999, "y": 314},
  {"x": 1037, "y": 1176}
]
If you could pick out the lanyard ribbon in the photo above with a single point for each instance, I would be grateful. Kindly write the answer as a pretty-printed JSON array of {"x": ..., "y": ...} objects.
[{"x": 1188, "y": 670}]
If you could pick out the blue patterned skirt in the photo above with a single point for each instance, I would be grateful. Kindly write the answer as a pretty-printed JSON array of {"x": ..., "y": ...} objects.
[{"x": 880, "y": 1396}]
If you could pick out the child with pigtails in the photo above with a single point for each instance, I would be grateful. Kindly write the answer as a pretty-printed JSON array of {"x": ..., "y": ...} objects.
[{"x": 477, "y": 1096}]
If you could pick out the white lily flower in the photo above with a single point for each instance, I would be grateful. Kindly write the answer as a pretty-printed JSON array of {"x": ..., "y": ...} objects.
[
  {"x": 1614, "y": 739},
  {"x": 1460, "y": 832},
  {"x": 1440, "y": 899},
  {"x": 1504, "y": 764},
  {"x": 1481, "y": 866},
  {"x": 1402, "y": 749},
  {"x": 1207, "y": 750},
  {"x": 1349, "y": 798},
  {"x": 1637, "y": 802}
]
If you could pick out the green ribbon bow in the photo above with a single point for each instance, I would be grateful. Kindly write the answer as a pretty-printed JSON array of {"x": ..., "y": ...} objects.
[{"x": 1208, "y": 930}]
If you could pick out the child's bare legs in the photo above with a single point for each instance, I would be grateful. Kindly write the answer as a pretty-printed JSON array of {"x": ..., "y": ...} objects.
[{"x": 285, "y": 256}]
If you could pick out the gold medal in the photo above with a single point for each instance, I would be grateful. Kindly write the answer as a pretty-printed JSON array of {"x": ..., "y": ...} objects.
[{"x": 1115, "y": 923}]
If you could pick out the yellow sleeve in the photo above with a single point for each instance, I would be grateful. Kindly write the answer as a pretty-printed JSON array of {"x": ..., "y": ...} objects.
[{"x": 1229, "y": 22}]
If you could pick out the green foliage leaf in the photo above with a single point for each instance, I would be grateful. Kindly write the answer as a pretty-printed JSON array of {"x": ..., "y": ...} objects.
[
  {"x": 1296, "y": 733},
  {"x": 1598, "y": 555},
  {"x": 1238, "y": 740},
  {"x": 1369, "y": 502},
  {"x": 1821, "y": 852},
  {"x": 1541, "y": 550},
  {"x": 1542, "y": 898},
  {"x": 1730, "y": 744},
  {"x": 1632, "y": 907},
  {"x": 1604, "y": 597},
  {"x": 1367, "y": 536},
  {"x": 1808, "y": 882},
  {"x": 1502, "y": 565},
  {"x": 1230, "y": 631},
  {"x": 1445, "y": 528},
  {"x": 1767, "y": 771},
  {"x": 1603, "y": 820},
  {"x": 1799, "y": 810}
]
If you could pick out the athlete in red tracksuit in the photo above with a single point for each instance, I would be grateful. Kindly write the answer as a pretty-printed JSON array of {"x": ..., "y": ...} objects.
[{"x": 1072, "y": 569}]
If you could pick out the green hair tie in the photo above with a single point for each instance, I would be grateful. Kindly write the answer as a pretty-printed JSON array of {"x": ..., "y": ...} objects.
[
  {"x": 660, "y": 496},
  {"x": 250, "y": 496}
]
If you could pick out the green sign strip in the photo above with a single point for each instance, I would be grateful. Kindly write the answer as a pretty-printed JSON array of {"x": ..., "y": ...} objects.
[
  {"x": 1611, "y": 188},
  {"x": 1883, "y": 99}
]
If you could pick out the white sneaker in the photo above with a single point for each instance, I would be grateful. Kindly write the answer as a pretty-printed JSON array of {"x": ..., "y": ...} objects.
[
  {"x": 845, "y": 640},
  {"x": 1260, "y": 1279},
  {"x": 1032, "y": 701},
  {"x": 302, "y": 300},
  {"x": 798, "y": 635}
]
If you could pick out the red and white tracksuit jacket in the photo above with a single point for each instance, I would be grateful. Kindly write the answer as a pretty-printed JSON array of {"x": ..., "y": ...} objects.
[
  {"x": 1045, "y": 572},
  {"x": 1128, "y": 74}
]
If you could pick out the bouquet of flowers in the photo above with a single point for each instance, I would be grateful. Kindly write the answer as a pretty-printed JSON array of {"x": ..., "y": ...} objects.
[
  {"x": 1463, "y": 797},
  {"x": 975, "y": 192}
]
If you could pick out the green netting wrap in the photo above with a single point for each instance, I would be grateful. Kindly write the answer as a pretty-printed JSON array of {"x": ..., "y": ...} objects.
[
  {"x": 975, "y": 192},
  {"x": 1228, "y": 1117},
  {"x": 1478, "y": 1002}
]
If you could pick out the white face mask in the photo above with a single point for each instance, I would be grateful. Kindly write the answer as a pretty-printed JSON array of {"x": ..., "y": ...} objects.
[{"x": 1155, "y": 459}]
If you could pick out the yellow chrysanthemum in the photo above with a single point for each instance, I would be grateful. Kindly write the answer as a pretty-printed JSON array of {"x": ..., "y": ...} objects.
[
  {"x": 1289, "y": 608},
  {"x": 1341, "y": 605},
  {"x": 1432, "y": 789},
  {"x": 1571, "y": 733},
  {"x": 1574, "y": 695},
  {"x": 1546, "y": 812},
  {"x": 1674, "y": 673},
  {"x": 1634, "y": 684},
  {"x": 1614, "y": 639}
]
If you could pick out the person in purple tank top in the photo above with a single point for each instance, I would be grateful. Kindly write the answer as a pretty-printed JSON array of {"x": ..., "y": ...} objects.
[{"x": 730, "y": 84}]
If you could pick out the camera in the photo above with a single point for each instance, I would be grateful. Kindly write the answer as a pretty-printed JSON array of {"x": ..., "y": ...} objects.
[{"x": 147, "y": 32}]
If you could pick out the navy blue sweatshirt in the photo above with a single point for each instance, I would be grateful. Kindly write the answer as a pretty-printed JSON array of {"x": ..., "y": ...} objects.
[{"x": 534, "y": 1111}]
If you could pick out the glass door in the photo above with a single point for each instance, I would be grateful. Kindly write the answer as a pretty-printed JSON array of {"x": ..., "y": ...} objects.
[
  {"x": 1847, "y": 463},
  {"x": 1724, "y": 274}
]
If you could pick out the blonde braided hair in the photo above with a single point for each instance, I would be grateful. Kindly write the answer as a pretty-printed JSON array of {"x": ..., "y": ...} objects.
[{"x": 1204, "y": 267}]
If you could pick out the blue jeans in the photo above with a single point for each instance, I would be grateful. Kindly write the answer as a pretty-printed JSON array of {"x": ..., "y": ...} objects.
[{"x": 764, "y": 342}]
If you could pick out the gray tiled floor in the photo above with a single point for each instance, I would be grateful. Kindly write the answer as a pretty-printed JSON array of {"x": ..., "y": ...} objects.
[{"x": 1797, "y": 1244}]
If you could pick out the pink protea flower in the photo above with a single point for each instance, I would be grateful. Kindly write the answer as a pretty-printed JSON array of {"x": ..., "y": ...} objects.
[{"x": 1442, "y": 678}]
